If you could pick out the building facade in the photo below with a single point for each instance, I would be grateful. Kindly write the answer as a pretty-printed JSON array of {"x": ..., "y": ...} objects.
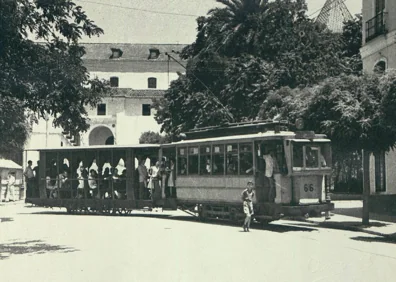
[
  {"x": 138, "y": 73},
  {"x": 378, "y": 54}
]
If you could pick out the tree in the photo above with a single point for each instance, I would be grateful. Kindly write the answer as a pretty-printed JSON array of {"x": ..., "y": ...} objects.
[
  {"x": 46, "y": 78},
  {"x": 151, "y": 137},
  {"x": 352, "y": 41},
  {"x": 356, "y": 112},
  {"x": 13, "y": 126},
  {"x": 241, "y": 53}
]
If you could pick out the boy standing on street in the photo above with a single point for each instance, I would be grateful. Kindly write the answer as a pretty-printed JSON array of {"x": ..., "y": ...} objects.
[{"x": 247, "y": 198}]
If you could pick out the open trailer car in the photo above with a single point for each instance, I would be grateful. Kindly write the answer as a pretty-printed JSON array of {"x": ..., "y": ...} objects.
[{"x": 210, "y": 169}]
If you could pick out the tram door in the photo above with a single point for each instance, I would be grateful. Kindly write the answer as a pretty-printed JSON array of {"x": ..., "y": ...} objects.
[{"x": 266, "y": 165}]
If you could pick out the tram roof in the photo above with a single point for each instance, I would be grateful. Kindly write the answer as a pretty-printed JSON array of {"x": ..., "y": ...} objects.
[
  {"x": 262, "y": 135},
  {"x": 98, "y": 147}
]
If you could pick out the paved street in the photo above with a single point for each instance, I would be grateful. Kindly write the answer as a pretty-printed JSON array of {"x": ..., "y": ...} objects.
[{"x": 39, "y": 244}]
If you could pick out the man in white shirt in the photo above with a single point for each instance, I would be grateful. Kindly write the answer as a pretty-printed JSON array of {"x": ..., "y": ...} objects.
[{"x": 10, "y": 188}]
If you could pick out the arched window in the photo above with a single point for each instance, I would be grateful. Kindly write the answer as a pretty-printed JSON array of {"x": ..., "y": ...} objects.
[
  {"x": 152, "y": 82},
  {"x": 380, "y": 67}
]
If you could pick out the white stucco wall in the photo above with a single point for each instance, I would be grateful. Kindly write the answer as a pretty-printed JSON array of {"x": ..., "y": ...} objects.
[{"x": 138, "y": 80}]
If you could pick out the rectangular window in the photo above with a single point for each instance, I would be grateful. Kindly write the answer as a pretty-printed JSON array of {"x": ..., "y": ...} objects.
[
  {"x": 379, "y": 6},
  {"x": 246, "y": 159},
  {"x": 380, "y": 176},
  {"x": 218, "y": 160},
  {"x": 205, "y": 166},
  {"x": 152, "y": 82},
  {"x": 114, "y": 81},
  {"x": 232, "y": 159},
  {"x": 146, "y": 109},
  {"x": 182, "y": 161},
  {"x": 101, "y": 110},
  {"x": 193, "y": 158},
  {"x": 298, "y": 160}
]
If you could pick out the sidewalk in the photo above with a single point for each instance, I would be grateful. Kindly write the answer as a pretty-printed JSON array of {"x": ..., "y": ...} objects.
[{"x": 347, "y": 215}]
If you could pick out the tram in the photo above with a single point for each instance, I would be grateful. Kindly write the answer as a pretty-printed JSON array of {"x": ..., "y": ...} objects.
[{"x": 209, "y": 168}]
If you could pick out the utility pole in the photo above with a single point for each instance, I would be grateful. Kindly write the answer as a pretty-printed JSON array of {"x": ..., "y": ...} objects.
[{"x": 366, "y": 187}]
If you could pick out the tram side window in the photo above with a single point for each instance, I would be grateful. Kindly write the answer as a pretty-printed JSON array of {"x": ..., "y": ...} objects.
[
  {"x": 205, "y": 166},
  {"x": 232, "y": 159},
  {"x": 298, "y": 162},
  {"x": 218, "y": 160},
  {"x": 193, "y": 159},
  {"x": 325, "y": 155},
  {"x": 182, "y": 161},
  {"x": 246, "y": 159}
]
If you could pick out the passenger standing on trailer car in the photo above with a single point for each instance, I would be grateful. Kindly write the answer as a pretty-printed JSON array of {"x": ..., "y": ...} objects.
[
  {"x": 155, "y": 181},
  {"x": 29, "y": 177},
  {"x": 247, "y": 198},
  {"x": 143, "y": 175}
]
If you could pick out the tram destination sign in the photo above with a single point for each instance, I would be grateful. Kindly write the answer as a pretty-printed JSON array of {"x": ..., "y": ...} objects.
[{"x": 305, "y": 135}]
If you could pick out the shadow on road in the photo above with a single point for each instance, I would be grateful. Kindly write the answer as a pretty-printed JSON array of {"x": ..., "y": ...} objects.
[
  {"x": 273, "y": 227},
  {"x": 31, "y": 247},
  {"x": 355, "y": 212},
  {"x": 6, "y": 219},
  {"x": 377, "y": 239}
]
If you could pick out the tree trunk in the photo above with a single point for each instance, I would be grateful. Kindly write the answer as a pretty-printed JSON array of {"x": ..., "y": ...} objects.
[{"x": 366, "y": 187}]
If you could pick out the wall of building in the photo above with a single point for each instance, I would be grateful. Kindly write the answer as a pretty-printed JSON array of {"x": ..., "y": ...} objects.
[
  {"x": 381, "y": 48},
  {"x": 138, "y": 80},
  {"x": 368, "y": 12}
]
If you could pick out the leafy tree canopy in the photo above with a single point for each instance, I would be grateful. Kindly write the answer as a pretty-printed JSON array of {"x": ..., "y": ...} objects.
[
  {"x": 243, "y": 51},
  {"x": 356, "y": 112},
  {"x": 46, "y": 78},
  {"x": 151, "y": 137}
]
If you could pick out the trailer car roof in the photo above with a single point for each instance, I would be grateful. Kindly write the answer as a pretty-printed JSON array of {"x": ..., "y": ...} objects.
[{"x": 99, "y": 147}]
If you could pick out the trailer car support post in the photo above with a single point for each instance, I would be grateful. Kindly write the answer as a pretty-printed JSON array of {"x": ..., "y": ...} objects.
[
  {"x": 42, "y": 180},
  {"x": 130, "y": 166}
]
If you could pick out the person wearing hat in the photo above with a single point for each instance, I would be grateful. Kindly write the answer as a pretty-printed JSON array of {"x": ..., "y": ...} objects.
[{"x": 247, "y": 198}]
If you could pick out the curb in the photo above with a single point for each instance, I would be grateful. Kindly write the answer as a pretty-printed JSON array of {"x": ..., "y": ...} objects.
[{"x": 341, "y": 226}]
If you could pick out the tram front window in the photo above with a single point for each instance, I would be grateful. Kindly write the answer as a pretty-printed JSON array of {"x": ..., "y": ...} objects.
[
  {"x": 298, "y": 159},
  {"x": 311, "y": 156}
]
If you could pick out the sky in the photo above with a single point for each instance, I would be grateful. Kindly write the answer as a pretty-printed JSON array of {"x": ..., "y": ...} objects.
[{"x": 160, "y": 21}]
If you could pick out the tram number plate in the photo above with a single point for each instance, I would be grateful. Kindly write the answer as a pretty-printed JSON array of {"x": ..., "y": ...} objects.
[{"x": 309, "y": 188}]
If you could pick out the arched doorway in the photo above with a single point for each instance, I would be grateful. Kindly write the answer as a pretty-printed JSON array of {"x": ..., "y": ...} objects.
[
  {"x": 101, "y": 135},
  {"x": 110, "y": 141}
]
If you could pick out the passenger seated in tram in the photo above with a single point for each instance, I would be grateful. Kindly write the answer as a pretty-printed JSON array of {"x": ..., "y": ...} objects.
[
  {"x": 115, "y": 181},
  {"x": 106, "y": 183},
  {"x": 183, "y": 167},
  {"x": 51, "y": 185},
  {"x": 231, "y": 167},
  {"x": 64, "y": 185},
  {"x": 209, "y": 167},
  {"x": 81, "y": 176},
  {"x": 93, "y": 184},
  {"x": 122, "y": 185}
]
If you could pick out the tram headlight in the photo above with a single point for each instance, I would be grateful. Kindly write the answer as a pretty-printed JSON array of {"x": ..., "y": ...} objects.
[{"x": 299, "y": 123}]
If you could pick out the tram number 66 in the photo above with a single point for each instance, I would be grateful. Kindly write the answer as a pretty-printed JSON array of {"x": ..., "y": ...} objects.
[{"x": 308, "y": 187}]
